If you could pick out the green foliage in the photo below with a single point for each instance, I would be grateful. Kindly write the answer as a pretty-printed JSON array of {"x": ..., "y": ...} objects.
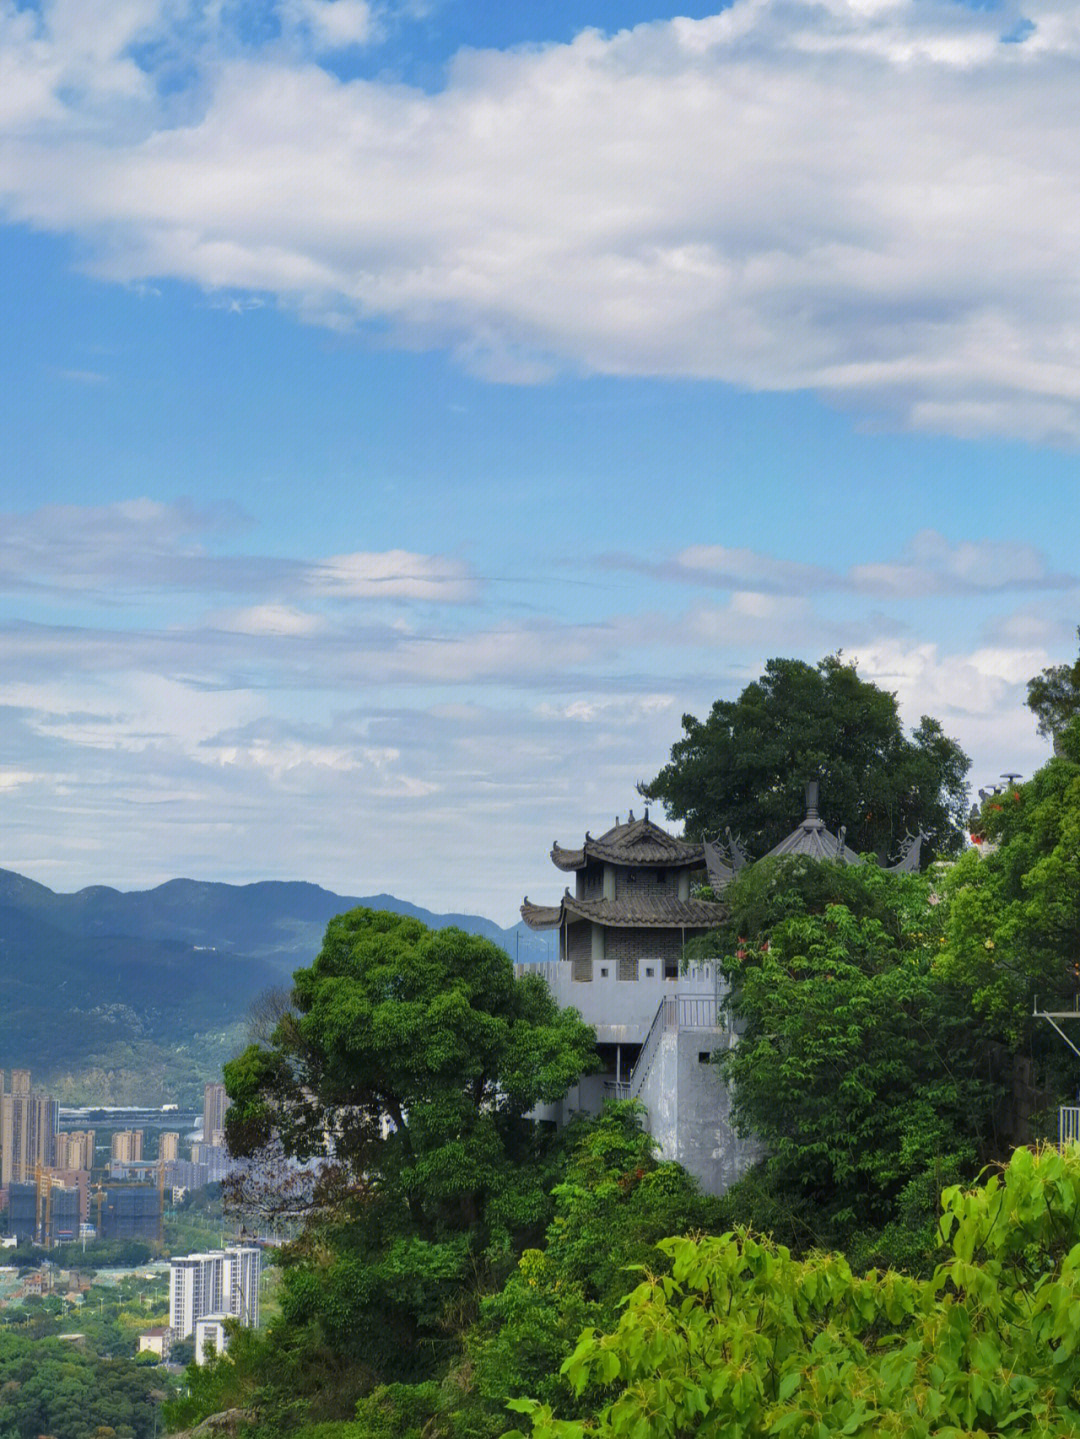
[
  {"x": 747, "y": 764},
  {"x": 615, "y": 1204},
  {"x": 1054, "y": 697},
  {"x": 742, "y": 1339},
  {"x": 229, "y": 1381},
  {"x": 1014, "y": 914},
  {"x": 858, "y": 1064},
  {"x": 431, "y": 1031},
  {"x": 56, "y": 1387}
]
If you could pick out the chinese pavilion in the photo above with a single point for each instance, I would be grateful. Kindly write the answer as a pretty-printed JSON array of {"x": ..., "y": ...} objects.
[
  {"x": 631, "y": 903},
  {"x": 658, "y": 1022}
]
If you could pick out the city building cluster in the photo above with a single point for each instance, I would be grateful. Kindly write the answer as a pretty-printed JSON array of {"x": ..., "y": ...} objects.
[{"x": 55, "y": 1187}]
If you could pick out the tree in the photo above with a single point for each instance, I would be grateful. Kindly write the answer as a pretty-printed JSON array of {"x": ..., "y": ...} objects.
[
  {"x": 858, "y": 1065},
  {"x": 615, "y": 1202},
  {"x": 1014, "y": 912},
  {"x": 1054, "y": 697},
  {"x": 747, "y": 764},
  {"x": 743, "y": 1339},
  {"x": 412, "y": 1060}
]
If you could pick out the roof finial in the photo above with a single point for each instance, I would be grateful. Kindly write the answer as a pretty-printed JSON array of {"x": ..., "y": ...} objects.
[
  {"x": 646, "y": 814},
  {"x": 813, "y": 791},
  {"x": 630, "y": 817}
]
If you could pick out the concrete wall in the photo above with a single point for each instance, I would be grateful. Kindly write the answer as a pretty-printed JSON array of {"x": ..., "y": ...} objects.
[
  {"x": 622, "y": 1011},
  {"x": 688, "y": 1109},
  {"x": 687, "y": 1105}
]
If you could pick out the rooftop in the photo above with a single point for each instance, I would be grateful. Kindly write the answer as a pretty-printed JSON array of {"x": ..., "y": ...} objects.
[
  {"x": 650, "y": 911},
  {"x": 638, "y": 842}
]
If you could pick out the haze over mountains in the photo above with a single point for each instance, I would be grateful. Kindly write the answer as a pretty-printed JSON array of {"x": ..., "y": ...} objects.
[{"x": 137, "y": 997}]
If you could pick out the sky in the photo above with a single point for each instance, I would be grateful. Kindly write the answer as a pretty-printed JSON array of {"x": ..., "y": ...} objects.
[{"x": 410, "y": 409}]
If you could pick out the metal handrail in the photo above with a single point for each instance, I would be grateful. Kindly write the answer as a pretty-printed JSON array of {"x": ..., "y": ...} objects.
[
  {"x": 1068, "y": 1125},
  {"x": 644, "y": 1061}
]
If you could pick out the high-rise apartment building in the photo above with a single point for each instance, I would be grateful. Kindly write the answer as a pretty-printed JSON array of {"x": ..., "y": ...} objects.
[
  {"x": 28, "y": 1128},
  {"x": 127, "y": 1145},
  {"x": 169, "y": 1145},
  {"x": 44, "y": 1213},
  {"x": 215, "y": 1104},
  {"x": 194, "y": 1290},
  {"x": 75, "y": 1149},
  {"x": 221, "y": 1281},
  {"x": 240, "y": 1283}
]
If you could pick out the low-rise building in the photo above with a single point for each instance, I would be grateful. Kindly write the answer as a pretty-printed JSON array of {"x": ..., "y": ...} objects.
[
  {"x": 210, "y": 1337},
  {"x": 156, "y": 1341}
]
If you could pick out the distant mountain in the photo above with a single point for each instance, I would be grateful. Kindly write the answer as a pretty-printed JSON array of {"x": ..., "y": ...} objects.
[{"x": 139, "y": 996}]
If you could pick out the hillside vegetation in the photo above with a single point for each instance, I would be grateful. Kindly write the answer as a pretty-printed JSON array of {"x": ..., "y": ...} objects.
[{"x": 115, "y": 998}]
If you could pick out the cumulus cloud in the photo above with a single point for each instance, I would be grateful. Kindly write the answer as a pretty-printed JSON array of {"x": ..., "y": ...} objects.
[
  {"x": 978, "y": 695},
  {"x": 331, "y": 24},
  {"x": 874, "y": 202}
]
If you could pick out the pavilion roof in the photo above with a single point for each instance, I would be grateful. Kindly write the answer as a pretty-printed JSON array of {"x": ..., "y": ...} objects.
[
  {"x": 814, "y": 840},
  {"x": 647, "y": 911},
  {"x": 637, "y": 843},
  {"x": 810, "y": 838}
]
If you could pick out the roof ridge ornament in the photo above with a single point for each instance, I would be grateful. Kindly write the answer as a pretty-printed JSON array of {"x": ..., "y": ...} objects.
[
  {"x": 813, "y": 799},
  {"x": 735, "y": 850},
  {"x": 910, "y": 853}
]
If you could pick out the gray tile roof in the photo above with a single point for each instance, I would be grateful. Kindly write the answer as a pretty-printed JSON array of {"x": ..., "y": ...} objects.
[
  {"x": 638, "y": 842},
  {"x": 810, "y": 838},
  {"x": 541, "y": 916},
  {"x": 814, "y": 840},
  {"x": 644, "y": 912}
]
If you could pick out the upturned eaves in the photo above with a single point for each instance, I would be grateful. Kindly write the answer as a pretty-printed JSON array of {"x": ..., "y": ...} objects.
[
  {"x": 648, "y": 911},
  {"x": 636, "y": 844}
]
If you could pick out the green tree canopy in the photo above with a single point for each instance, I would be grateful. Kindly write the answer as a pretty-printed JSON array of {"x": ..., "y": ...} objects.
[
  {"x": 746, "y": 765},
  {"x": 742, "y": 1339},
  {"x": 858, "y": 1064},
  {"x": 615, "y": 1204},
  {"x": 1054, "y": 697},
  {"x": 1014, "y": 912},
  {"x": 412, "y": 1059}
]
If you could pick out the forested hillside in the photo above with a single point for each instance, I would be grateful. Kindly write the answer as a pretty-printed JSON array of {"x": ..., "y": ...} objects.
[{"x": 114, "y": 997}]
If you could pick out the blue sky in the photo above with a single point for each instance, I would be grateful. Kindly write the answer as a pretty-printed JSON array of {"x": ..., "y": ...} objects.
[{"x": 410, "y": 411}]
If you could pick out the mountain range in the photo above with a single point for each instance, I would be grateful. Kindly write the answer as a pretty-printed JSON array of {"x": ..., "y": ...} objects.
[{"x": 122, "y": 997}]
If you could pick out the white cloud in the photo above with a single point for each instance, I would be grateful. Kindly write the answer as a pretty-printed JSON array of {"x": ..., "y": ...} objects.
[
  {"x": 874, "y": 201},
  {"x": 394, "y": 574},
  {"x": 332, "y": 24},
  {"x": 145, "y": 546},
  {"x": 12, "y": 778},
  {"x": 929, "y": 564},
  {"x": 977, "y": 695},
  {"x": 280, "y": 620}
]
